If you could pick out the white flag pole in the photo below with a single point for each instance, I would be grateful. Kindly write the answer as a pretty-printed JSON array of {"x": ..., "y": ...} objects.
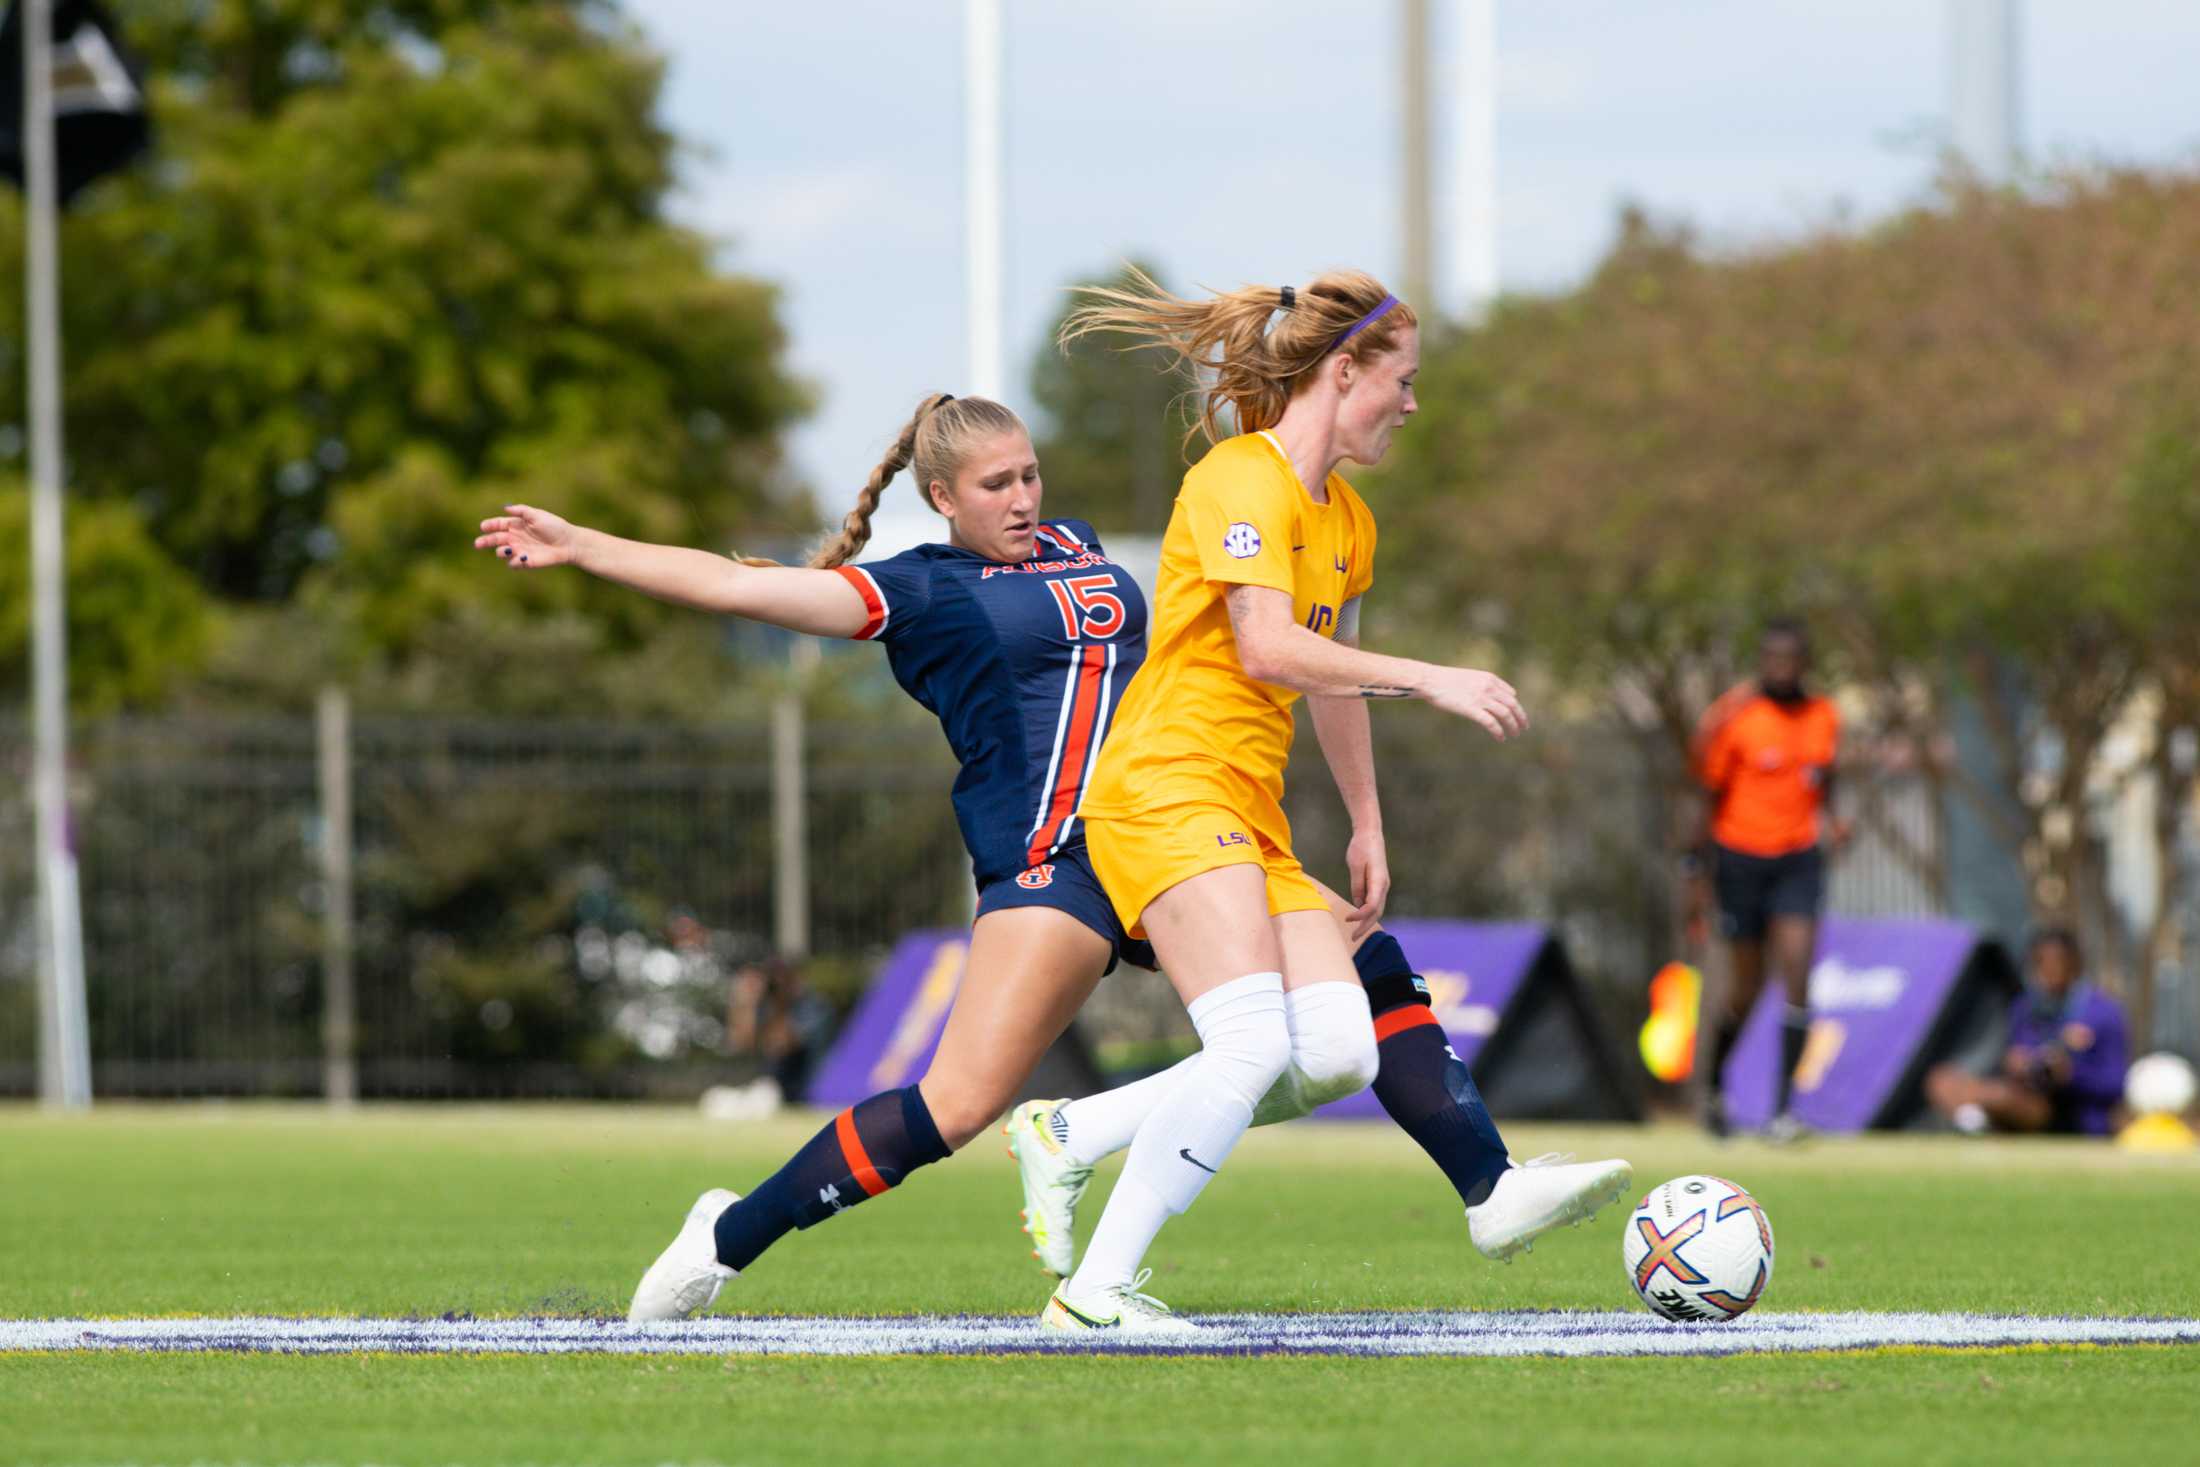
[
  {"x": 982, "y": 194},
  {"x": 1982, "y": 86},
  {"x": 1476, "y": 160},
  {"x": 65, "y": 1066},
  {"x": 982, "y": 250}
]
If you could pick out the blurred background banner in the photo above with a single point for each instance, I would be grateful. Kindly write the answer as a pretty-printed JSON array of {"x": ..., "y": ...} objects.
[
  {"x": 1515, "y": 1012},
  {"x": 1889, "y": 999},
  {"x": 889, "y": 1039}
]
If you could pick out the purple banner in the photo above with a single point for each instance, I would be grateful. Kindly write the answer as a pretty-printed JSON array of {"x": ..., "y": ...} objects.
[
  {"x": 889, "y": 1039},
  {"x": 1473, "y": 969},
  {"x": 1875, "y": 990}
]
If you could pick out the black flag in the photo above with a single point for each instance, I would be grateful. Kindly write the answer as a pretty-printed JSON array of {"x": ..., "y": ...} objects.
[{"x": 98, "y": 96}]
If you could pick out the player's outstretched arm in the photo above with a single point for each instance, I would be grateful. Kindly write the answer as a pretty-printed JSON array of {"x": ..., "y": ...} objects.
[
  {"x": 1274, "y": 648},
  {"x": 801, "y": 600}
]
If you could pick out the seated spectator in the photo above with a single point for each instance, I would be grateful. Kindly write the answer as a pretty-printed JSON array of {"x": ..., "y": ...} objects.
[
  {"x": 773, "y": 1014},
  {"x": 2064, "y": 1068}
]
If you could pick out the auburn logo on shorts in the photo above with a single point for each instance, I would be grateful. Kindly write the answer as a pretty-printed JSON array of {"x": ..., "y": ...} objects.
[{"x": 1037, "y": 877}]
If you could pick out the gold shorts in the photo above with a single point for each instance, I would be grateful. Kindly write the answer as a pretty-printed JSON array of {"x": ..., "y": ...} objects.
[{"x": 1138, "y": 857}]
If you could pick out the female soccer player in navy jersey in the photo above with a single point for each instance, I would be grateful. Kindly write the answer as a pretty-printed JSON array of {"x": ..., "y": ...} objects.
[{"x": 1020, "y": 635}]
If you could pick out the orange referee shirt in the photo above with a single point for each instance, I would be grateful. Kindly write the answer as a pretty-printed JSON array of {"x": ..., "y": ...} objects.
[{"x": 1766, "y": 769}]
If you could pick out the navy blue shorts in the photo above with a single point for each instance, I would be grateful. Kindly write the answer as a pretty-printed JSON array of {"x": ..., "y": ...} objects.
[
  {"x": 1065, "y": 882},
  {"x": 1752, "y": 890}
]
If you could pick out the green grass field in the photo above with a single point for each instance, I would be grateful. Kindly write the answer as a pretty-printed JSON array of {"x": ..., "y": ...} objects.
[{"x": 244, "y": 1209}]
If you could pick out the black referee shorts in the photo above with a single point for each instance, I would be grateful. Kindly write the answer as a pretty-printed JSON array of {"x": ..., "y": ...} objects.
[{"x": 1752, "y": 890}]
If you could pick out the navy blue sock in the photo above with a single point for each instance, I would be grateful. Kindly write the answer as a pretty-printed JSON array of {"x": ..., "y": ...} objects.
[
  {"x": 1728, "y": 1030},
  {"x": 1794, "y": 1032},
  {"x": 867, "y": 1148},
  {"x": 1423, "y": 1085}
]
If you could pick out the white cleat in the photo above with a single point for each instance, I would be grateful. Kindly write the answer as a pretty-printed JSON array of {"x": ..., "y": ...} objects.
[
  {"x": 1114, "y": 1314},
  {"x": 687, "y": 1276},
  {"x": 1548, "y": 1192},
  {"x": 1786, "y": 1130},
  {"x": 1053, "y": 1184}
]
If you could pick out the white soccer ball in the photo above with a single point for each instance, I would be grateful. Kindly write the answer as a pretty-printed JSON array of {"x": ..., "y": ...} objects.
[
  {"x": 2160, "y": 1084},
  {"x": 1698, "y": 1248}
]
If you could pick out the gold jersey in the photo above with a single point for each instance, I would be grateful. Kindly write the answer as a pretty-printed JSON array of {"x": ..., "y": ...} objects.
[{"x": 1193, "y": 727}]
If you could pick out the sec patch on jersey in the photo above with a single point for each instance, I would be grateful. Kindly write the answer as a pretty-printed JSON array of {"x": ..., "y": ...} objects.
[{"x": 1241, "y": 540}]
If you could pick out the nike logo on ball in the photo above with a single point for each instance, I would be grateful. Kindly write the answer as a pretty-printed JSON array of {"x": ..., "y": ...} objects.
[{"x": 1186, "y": 1153}]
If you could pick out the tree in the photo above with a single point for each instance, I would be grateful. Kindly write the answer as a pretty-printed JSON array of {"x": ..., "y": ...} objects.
[
  {"x": 1113, "y": 425},
  {"x": 398, "y": 262},
  {"x": 1961, "y": 441},
  {"x": 133, "y": 614}
]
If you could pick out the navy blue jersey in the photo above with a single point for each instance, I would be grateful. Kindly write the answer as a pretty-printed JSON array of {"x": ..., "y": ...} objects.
[{"x": 1023, "y": 665}]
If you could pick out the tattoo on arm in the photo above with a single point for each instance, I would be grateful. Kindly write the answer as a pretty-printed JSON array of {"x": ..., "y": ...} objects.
[{"x": 1377, "y": 690}]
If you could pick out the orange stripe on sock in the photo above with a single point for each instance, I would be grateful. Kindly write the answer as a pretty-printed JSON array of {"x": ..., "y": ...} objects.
[
  {"x": 859, "y": 1160},
  {"x": 1398, "y": 1020}
]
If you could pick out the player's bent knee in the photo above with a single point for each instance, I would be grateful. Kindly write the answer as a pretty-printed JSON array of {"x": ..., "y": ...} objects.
[
  {"x": 1336, "y": 1064},
  {"x": 1333, "y": 1048}
]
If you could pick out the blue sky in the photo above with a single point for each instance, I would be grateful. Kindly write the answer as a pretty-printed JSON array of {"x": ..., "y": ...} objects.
[{"x": 1256, "y": 140}]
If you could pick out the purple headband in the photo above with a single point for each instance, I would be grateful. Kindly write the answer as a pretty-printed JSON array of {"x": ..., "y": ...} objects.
[{"x": 1366, "y": 321}]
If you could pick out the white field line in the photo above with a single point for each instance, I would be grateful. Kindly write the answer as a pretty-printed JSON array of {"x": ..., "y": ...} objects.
[{"x": 1492, "y": 1334}]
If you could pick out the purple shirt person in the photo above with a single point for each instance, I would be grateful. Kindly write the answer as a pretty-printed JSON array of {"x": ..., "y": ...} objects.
[
  {"x": 2063, "y": 1069},
  {"x": 2073, "y": 1049}
]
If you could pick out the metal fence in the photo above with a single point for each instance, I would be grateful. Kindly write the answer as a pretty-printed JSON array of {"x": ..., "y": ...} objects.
[
  {"x": 540, "y": 909},
  {"x": 554, "y": 909}
]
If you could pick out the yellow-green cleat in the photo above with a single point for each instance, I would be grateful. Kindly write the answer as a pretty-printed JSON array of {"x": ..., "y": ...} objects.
[{"x": 1053, "y": 1184}]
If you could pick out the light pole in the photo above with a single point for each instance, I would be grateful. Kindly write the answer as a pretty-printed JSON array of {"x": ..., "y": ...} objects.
[
  {"x": 64, "y": 1051},
  {"x": 982, "y": 194}
]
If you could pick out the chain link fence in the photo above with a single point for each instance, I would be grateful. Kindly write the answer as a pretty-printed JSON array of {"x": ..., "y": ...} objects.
[
  {"x": 541, "y": 909},
  {"x": 556, "y": 909}
]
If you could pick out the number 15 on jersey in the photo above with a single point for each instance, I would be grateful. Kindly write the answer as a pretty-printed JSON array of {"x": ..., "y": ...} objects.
[{"x": 1090, "y": 607}]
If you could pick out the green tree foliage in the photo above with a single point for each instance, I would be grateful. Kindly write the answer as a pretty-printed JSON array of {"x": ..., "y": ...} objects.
[
  {"x": 396, "y": 263},
  {"x": 1112, "y": 432},
  {"x": 132, "y": 612},
  {"x": 1961, "y": 441}
]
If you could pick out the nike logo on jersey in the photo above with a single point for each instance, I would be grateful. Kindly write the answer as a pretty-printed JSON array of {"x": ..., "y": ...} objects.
[{"x": 1186, "y": 1153}]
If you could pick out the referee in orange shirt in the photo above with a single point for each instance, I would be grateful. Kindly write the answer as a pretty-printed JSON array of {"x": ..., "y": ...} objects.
[{"x": 1764, "y": 753}]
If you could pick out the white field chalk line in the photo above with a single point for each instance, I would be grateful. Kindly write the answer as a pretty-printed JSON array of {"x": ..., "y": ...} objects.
[{"x": 1458, "y": 1334}]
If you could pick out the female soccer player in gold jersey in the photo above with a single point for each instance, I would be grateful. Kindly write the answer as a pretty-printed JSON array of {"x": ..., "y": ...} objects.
[{"x": 1263, "y": 566}]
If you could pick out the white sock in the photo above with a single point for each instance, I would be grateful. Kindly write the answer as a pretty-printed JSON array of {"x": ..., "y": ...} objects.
[
  {"x": 1332, "y": 1051},
  {"x": 1100, "y": 1125},
  {"x": 1245, "y": 1041},
  {"x": 1332, "y": 1055}
]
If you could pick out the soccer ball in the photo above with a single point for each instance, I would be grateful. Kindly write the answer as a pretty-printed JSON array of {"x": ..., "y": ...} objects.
[
  {"x": 1698, "y": 1248},
  {"x": 2160, "y": 1084}
]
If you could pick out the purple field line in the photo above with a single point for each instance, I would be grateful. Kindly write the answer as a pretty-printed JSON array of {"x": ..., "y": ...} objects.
[{"x": 1550, "y": 1333}]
